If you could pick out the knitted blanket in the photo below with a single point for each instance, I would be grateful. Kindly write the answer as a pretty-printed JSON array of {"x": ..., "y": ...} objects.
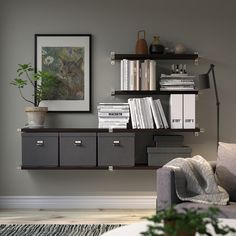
[{"x": 195, "y": 181}]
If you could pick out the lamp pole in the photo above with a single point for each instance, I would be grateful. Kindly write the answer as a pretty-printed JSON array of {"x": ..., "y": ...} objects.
[{"x": 217, "y": 102}]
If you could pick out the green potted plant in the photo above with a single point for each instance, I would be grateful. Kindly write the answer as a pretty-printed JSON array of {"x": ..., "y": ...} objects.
[
  {"x": 170, "y": 222},
  {"x": 42, "y": 89}
]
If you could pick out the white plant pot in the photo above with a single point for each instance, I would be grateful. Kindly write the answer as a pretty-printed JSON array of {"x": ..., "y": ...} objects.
[{"x": 36, "y": 116}]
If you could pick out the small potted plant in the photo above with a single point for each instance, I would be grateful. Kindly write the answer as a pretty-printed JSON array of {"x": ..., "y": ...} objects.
[
  {"x": 170, "y": 222},
  {"x": 46, "y": 81}
]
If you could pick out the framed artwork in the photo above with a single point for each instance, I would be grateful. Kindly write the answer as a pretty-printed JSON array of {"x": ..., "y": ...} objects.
[{"x": 68, "y": 59}]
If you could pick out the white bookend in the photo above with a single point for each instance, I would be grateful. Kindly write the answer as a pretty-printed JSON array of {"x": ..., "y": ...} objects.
[
  {"x": 189, "y": 111},
  {"x": 132, "y": 110},
  {"x": 163, "y": 116},
  {"x": 122, "y": 75},
  {"x": 154, "y": 112},
  {"x": 131, "y": 75},
  {"x": 152, "y": 85},
  {"x": 176, "y": 111}
]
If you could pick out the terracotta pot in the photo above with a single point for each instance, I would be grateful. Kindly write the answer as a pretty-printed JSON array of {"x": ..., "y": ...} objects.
[
  {"x": 141, "y": 44},
  {"x": 36, "y": 116},
  {"x": 171, "y": 224}
]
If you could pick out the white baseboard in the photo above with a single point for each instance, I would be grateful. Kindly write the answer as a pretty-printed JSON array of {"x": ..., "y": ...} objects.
[{"x": 78, "y": 202}]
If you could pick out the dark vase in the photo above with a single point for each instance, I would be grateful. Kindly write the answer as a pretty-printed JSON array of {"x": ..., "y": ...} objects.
[{"x": 156, "y": 47}]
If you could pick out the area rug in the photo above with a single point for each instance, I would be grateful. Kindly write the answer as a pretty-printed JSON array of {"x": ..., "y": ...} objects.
[{"x": 55, "y": 230}]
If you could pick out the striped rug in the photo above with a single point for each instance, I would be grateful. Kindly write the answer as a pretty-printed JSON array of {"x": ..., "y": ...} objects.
[{"x": 54, "y": 230}]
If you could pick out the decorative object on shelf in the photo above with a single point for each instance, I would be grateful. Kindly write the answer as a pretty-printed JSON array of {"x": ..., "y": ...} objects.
[
  {"x": 203, "y": 82},
  {"x": 170, "y": 222},
  {"x": 179, "y": 69},
  {"x": 179, "y": 48},
  {"x": 36, "y": 115},
  {"x": 141, "y": 44},
  {"x": 156, "y": 47},
  {"x": 69, "y": 57}
]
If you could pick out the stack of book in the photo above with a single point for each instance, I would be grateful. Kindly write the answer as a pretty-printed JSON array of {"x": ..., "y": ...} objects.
[
  {"x": 144, "y": 110},
  {"x": 113, "y": 115},
  {"x": 138, "y": 75},
  {"x": 179, "y": 82}
]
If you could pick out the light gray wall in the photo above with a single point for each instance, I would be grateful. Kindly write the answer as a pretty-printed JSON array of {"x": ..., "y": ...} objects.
[{"x": 204, "y": 26}]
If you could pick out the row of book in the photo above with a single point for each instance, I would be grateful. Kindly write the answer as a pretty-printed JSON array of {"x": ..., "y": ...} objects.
[
  {"x": 113, "y": 115},
  {"x": 179, "y": 82},
  {"x": 138, "y": 75},
  {"x": 145, "y": 111}
]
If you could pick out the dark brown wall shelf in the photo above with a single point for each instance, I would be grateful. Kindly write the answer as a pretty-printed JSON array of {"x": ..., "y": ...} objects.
[
  {"x": 136, "y": 167},
  {"x": 170, "y": 56},
  {"x": 149, "y": 93},
  {"x": 87, "y": 130}
]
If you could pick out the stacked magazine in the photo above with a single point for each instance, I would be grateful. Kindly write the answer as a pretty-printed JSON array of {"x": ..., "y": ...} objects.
[
  {"x": 113, "y": 115},
  {"x": 178, "y": 82},
  {"x": 144, "y": 110}
]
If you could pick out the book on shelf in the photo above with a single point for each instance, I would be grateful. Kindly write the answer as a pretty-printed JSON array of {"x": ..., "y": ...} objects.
[
  {"x": 177, "y": 82},
  {"x": 162, "y": 113},
  {"x": 155, "y": 113},
  {"x": 177, "y": 88},
  {"x": 179, "y": 75},
  {"x": 147, "y": 113},
  {"x": 138, "y": 75}
]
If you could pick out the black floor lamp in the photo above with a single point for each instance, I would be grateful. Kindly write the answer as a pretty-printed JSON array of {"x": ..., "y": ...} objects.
[{"x": 204, "y": 83}]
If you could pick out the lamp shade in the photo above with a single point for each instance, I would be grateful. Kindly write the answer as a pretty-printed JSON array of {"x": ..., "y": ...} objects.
[{"x": 202, "y": 81}]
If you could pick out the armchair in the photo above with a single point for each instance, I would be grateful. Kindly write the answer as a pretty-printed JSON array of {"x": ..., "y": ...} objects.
[{"x": 166, "y": 195}]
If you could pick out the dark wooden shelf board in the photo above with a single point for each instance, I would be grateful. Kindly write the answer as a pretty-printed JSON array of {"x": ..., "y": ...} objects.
[
  {"x": 148, "y": 92},
  {"x": 137, "y": 167},
  {"x": 90, "y": 130},
  {"x": 169, "y": 56}
]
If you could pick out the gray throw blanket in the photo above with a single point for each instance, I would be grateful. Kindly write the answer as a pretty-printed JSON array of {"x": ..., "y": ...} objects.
[{"x": 195, "y": 181}]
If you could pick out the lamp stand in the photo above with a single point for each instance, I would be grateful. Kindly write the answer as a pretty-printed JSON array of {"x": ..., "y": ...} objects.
[{"x": 217, "y": 102}]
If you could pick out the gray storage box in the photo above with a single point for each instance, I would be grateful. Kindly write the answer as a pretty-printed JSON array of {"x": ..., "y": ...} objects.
[
  {"x": 78, "y": 149},
  {"x": 169, "y": 140},
  {"x": 40, "y": 149},
  {"x": 159, "y": 156},
  {"x": 116, "y": 149}
]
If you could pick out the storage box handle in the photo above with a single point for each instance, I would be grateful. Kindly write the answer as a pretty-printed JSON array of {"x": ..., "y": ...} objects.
[
  {"x": 39, "y": 142},
  {"x": 78, "y": 143},
  {"x": 116, "y": 143}
]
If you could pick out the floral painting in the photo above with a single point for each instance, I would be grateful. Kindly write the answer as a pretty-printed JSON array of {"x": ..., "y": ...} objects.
[
  {"x": 67, "y": 64},
  {"x": 68, "y": 58}
]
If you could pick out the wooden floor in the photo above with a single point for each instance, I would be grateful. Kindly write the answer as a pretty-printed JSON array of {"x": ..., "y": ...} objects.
[{"x": 83, "y": 216}]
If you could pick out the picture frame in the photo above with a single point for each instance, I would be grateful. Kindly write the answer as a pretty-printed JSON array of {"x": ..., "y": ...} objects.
[{"x": 68, "y": 58}]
